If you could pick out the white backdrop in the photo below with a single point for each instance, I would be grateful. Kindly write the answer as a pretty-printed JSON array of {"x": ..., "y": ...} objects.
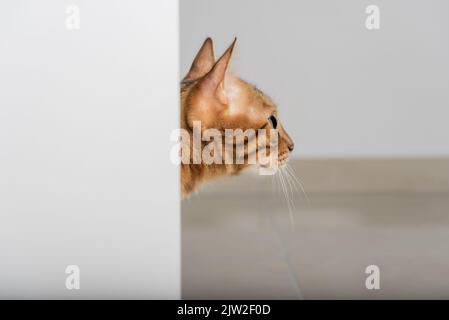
[
  {"x": 85, "y": 176},
  {"x": 342, "y": 90}
]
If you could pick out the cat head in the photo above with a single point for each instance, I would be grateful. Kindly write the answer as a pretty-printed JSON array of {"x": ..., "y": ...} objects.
[{"x": 220, "y": 100}]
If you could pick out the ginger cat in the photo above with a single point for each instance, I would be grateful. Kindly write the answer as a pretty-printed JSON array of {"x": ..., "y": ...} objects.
[{"x": 220, "y": 100}]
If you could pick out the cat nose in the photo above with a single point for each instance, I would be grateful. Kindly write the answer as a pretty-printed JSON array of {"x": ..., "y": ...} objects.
[{"x": 291, "y": 146}]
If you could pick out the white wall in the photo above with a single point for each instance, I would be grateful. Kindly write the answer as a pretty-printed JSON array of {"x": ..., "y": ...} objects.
[
  {"x": 342, "y": 90},
  {"x": 85, "y": 177}
]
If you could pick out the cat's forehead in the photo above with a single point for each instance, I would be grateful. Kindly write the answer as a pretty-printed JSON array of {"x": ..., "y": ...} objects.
[
  {"x": 264, "y": 99},
  {"x": 246, "y": 98}
]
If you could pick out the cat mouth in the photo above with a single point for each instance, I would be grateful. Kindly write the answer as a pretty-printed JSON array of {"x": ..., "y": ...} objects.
[
  {"x": 283, "y": 163},
  {"x": 283, "y": 159}
]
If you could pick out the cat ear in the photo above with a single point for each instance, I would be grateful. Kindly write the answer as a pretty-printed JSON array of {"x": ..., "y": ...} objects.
[
  {"x": 203, "y": 62},
  {"x": 213, "y": 81}
]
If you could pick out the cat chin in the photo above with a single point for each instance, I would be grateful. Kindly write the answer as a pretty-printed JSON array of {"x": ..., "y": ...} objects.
[
  {"x": 251, "y": 170},
  {"x": 281, "y": 164},
  {"x": 255, "y": 170},
  {"x": 267, "y": 169}
]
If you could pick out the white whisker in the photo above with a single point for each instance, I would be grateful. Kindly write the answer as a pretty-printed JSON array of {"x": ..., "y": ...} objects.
[
  {"x": 287, "y": 198},
  {"x": 296, "y": 178}
]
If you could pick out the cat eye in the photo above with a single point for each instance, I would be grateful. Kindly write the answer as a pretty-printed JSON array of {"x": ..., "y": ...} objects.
[{"x": 273, "y": 121}]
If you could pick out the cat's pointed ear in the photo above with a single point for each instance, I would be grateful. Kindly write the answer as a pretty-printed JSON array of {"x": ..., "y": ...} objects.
[
  {"x": 214, "y": 81},
  {"x": 203, "y": 62}
]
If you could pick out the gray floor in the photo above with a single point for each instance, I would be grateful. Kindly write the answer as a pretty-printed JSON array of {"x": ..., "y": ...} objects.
[{"x": 246, "y": 247}]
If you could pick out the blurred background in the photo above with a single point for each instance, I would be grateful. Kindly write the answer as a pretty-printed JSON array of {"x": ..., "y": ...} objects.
[{"x": 368, "y": 112}]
